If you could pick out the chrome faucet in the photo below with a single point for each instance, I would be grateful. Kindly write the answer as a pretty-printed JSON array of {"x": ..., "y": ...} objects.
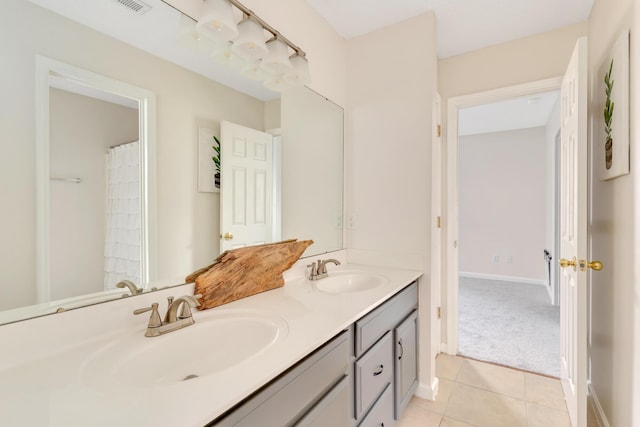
[
  {"x": 172, "y": 320},
  {"x": 131, "y": 286},
  {"x": 318, "y": 270}
]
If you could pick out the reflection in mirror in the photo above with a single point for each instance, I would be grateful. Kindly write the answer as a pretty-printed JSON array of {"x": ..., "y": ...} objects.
[
  {"x": 312, "y": 172},
  {"x": 93, "y": 148},
  {"x": 185, "y": 233}
]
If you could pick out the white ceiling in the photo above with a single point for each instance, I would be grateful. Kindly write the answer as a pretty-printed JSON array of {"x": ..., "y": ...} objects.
[
  {"x": 516, "y": 113},
  {"x": 463, "y": 25}
]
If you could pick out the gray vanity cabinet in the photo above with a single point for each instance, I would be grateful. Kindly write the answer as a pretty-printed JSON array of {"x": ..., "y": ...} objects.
[
  {"x": 364, "y": 377},
  {"x": 385, "y": 368},
  {"x": 332, "y": 410},
  {"x": 406, "y": 361},
  {"x": 314, "y": 392},
  {"x": 381, "y": 415}
]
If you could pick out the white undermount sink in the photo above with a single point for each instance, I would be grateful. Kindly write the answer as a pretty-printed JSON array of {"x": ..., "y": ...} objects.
[
  {"x": 216, "y": 342},
  {"x": 344, "y": 281}
]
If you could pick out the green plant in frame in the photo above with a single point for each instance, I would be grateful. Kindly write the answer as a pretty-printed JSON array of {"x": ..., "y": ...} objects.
[
  {"x": 608, "y": 117},
  {"x": 216, "y": 149}
]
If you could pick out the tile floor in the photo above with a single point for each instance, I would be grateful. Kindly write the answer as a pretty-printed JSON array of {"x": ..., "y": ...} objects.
[{"x": 478, "y": 394}]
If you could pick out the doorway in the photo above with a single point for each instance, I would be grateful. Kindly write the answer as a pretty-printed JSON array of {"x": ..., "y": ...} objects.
[
  {"x": 64, "y": 94},
  {"x": 496, "y": 267}
]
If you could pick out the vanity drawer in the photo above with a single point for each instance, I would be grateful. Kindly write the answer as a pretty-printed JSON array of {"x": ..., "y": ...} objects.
[
  {"x": 373, "y": 372},
  {"x": 292, "y": 395},
  {"x": 384, "y": 318},
  {"x": 381, "y": 415},
  {"x": 332, "y": 410}
]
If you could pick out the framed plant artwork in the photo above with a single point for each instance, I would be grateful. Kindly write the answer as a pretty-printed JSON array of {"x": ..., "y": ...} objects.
[
  {"x": 208, "y": 168},
  {"x": 612, "y": 96}
]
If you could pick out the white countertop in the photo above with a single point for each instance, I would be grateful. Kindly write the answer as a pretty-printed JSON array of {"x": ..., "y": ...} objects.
[{"x": 43, "y": 361}]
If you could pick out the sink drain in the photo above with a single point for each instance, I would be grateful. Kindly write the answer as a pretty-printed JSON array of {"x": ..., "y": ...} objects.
[{"x": 189, "y": 377}]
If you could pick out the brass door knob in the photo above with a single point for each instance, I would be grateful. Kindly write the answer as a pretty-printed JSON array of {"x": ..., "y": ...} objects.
[
  {"x": 594, "y": 265},
  {"x": 228, "y": 236},
  {"x": 564, "y": 263}
]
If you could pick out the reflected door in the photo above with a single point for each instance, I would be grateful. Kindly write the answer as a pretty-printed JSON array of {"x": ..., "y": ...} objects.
[{"x": 246, "y": 187}]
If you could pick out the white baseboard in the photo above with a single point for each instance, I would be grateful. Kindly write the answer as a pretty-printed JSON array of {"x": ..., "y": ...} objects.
[
  {"x": 514, "y": 279},
  {"x": 425, "y": 391},
  {"x": 597, "y": 408},
  {"x": 444, "y": 348}
]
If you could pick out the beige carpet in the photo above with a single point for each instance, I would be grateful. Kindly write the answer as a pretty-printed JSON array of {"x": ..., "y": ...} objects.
[{"x": 512, "y": 324}]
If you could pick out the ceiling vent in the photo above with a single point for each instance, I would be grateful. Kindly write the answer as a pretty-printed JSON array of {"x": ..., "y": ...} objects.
[{"x": 134, "y": 5}]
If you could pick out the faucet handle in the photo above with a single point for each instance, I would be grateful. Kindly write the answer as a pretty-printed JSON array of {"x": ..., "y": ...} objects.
[
  {"x": 169, "y": 303},
  {"x": 154, "y": 319},
  {"x": 186, "y": 312},
  {"x": 313, "y": 270},
  {"x": 186, "y": 307}
]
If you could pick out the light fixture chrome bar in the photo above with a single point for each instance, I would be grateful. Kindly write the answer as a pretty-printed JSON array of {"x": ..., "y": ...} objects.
[
  {"x": 267, "y": 27},
  {"x": 72, "y": 180},
  {"x": 245, "y": 10}
]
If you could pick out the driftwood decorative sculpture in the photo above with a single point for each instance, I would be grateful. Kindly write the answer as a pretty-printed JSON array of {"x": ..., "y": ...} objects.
[{"x": 243, "y": 272}]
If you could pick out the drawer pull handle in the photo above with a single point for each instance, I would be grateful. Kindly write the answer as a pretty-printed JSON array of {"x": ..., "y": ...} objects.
[
  {"x": 379, "y": 371},
  {"x": 401, "y": 349}
]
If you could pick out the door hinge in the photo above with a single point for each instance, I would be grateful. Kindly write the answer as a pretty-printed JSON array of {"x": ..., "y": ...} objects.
[
  {"x": 439, "y": 312},
  {"x": 439, "y": 222},
  {"x": 439, "y": 131}
]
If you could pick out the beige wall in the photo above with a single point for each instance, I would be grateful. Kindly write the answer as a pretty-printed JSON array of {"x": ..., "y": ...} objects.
[
  {"x": 503, "y": 203},
  {"x": 615, "y": 303},
  {"x": 82, "y": 130},
  {"x": 272, "y": 114},
  {"x": 389, "y": 134},
  {"x": 520, "y": 61},
  {"x": 187, "y": 222},
  {"x": 391, "y": 80}
]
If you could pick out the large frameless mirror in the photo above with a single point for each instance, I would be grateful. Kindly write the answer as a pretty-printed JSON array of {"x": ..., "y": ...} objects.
[{"x": 71, "y": 233}]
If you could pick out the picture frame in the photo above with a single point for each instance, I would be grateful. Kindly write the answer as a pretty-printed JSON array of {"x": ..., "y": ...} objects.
[
  {"x": 206, "y": 166},
  {"x": 612, "y": 111}
]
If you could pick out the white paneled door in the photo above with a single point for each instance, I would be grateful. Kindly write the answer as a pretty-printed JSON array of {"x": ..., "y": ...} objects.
[
  {"x": 573, "y": 228},
  {"x": 246, "y": 190}
]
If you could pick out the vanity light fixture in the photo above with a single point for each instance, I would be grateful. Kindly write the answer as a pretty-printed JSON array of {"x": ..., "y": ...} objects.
[
  {"x": 253, "y": 71},
  {"x": 277, "y": 83},
  {"x": 216, "y": 20},
  {"x": 254, "y": 47},
  {"x": 277, "y": 61},
  {"x": 299, "y": 74},
  {"x": 190, "y": 38},
  {"x": 250, "y": 43},
  {"x": 224, "y": 54}
]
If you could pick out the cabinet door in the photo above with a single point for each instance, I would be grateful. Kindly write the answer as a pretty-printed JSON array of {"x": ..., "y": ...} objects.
[
  {"x": 406, "y": 362},
  {"x": 332, "y": 410}
]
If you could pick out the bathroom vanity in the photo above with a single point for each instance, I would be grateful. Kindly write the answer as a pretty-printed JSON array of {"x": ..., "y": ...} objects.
[
  {"x": 319, "y": 349},
  {"x": 365, "y": 376}
]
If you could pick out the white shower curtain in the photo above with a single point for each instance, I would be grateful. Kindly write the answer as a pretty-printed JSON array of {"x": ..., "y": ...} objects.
[{"x": 122, "y": 241}]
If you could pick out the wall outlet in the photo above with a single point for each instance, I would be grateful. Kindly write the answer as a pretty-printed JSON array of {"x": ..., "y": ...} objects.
[
  {"x": 509, "y": 259},
  {"x": 496, "y": 258},
  {"x": 351, "y": 221}
]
